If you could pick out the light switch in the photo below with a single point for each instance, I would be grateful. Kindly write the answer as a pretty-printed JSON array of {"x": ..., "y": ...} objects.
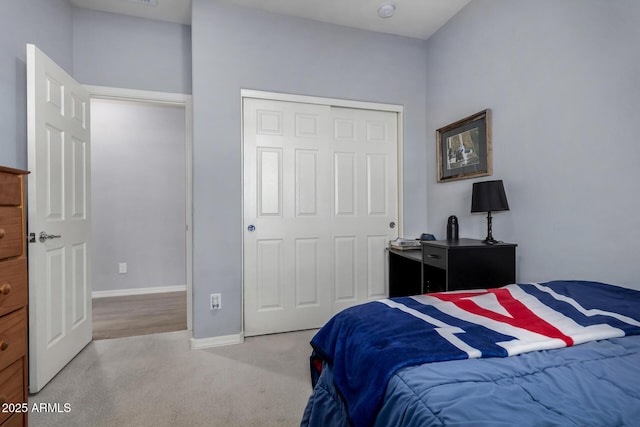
[{"x": 122, "y": 267}]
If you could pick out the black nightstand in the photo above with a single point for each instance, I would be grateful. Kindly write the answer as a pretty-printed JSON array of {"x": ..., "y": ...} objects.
[
  {"x": 450, "y": 265},
  {"x": 405, "y": 272}
]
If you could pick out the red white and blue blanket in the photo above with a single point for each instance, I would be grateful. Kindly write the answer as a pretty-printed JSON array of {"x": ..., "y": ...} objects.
[{"x": 368, "y": 343}]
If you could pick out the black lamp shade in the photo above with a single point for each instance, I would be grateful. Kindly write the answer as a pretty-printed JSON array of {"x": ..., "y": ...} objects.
[{"x": 489, "y": 196}]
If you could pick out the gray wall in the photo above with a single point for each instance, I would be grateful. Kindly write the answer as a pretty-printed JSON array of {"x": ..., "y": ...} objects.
[
  {"x": 110, "y": 50},
  {"x": 138, "y": 198},
  {"x": 94, "y": 47},
  {"x": 235, "y": 48},
  {"x": 563, "y": 81},
  {"x": 138, "y": 165},
  {"x": 47, "y": 24},
  {"x": 560, "y": 76},
  {"x": 127, "y": 52}
]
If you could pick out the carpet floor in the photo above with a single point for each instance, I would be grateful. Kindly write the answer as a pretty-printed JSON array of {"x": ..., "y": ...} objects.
[{"x": 157, "y": 380}]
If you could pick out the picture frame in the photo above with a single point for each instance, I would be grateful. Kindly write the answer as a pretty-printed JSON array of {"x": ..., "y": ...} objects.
[{"x": 464, "y": 148}]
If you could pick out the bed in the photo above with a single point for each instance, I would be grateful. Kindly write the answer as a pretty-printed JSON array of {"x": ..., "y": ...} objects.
[{"x": 554, "y": 353}]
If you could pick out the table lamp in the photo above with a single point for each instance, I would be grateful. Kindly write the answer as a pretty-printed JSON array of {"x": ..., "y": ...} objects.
[{"x": 489, "y": 196}]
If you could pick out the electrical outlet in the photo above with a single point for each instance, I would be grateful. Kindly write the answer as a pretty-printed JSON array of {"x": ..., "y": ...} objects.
[
  {"x": 122, "y": 267},
  {"x": 216, "y": 301}
]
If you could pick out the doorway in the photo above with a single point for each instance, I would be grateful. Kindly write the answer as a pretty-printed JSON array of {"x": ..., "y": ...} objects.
[{"x": 141, "y": 212}]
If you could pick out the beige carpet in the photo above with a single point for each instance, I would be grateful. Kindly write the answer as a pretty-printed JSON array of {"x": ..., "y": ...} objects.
[{"x": 156, "y": 380}]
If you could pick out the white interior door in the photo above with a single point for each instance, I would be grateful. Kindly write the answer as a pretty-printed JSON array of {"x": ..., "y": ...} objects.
[
  {"x": 58, "y": 206},
  {"x": 320, "y": 193},
  {"x": 365, "y": 203},
  {"x": 287, "y": 206}
]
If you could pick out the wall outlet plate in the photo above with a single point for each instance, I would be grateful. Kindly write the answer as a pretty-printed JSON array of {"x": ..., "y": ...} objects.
[{"x": 216, "y": 301}]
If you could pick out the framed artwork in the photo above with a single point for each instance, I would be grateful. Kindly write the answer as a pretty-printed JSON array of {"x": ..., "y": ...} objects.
[{"x": 464, "y": 148}]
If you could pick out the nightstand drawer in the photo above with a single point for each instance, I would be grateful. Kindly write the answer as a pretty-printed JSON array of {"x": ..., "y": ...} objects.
[
  {"x": 13, "y": 337},
  {"x": 436, "y": 257}
]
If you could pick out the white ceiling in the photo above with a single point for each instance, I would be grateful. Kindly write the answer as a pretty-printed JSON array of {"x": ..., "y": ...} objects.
[
  {"x": 413, "y": 18},
  {"x": 178, "y": 11}
]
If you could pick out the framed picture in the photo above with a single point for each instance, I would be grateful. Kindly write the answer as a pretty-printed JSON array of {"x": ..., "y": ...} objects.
[{"x": 464, "y": 148}]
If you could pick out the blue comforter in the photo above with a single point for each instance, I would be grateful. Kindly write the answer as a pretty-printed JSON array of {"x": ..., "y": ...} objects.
[
  {"x": 594, "y": 384},
  {"x": 366, "y": 345}
]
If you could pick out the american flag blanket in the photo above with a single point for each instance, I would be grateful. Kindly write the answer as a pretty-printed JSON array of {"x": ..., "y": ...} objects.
[{"x": 368, "y": 343}]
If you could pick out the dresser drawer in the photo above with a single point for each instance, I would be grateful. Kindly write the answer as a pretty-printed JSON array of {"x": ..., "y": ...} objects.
[
  {"x": 10, "y": 232},
  {"x": 16, "y": 420},
  {"x": 10, "y": 189},
  {"x": 13, "y": 337},
  {"x": 11, "y": 387},
  {"x": 13, "y": 285},
  {"x": 436, "y": 257}
]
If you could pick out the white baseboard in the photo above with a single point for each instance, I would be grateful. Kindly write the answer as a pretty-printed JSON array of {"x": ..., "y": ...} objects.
[
  {"x": 199, "y": 344},
  {"x": 138, "y": 291}
]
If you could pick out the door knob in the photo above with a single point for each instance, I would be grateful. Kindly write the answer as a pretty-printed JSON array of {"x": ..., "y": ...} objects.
[
  {"x": 251, "y": 228},
  {"x": 44, "y": 236},
  {"x": 392, "y": 224}
]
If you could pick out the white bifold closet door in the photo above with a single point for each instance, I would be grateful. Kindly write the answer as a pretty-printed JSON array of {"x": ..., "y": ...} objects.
[{"x": 320, "y": 206}]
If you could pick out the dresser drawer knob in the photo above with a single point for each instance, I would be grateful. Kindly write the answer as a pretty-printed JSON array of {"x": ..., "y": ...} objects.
[
  {"x": 5, "y": 288},
  {"x": 4, "y": 344},
  {"x": 2, "y": 233}
]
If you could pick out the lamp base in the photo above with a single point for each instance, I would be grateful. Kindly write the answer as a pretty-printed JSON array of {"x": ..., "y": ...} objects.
[{"x": 491, "y": 241}]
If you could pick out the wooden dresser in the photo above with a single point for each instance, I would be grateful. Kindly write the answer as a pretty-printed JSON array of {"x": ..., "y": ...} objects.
[{"x": 13, "y": 299}]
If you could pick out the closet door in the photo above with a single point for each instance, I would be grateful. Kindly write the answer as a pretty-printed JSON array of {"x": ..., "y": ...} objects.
[
  {"x": 320, "y": 190},
  {"x": 287, "y": 216},
  {"x": 365, "y": 203}
]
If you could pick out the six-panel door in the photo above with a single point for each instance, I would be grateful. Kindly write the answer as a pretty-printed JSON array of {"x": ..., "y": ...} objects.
[{"x": 320, "y": 193}]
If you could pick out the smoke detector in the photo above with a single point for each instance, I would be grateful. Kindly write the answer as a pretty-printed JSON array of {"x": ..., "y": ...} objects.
[{"x": 386, "y": 10}]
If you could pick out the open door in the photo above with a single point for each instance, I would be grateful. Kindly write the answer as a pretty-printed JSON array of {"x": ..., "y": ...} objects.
[{"x": 59, "y": 218}]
